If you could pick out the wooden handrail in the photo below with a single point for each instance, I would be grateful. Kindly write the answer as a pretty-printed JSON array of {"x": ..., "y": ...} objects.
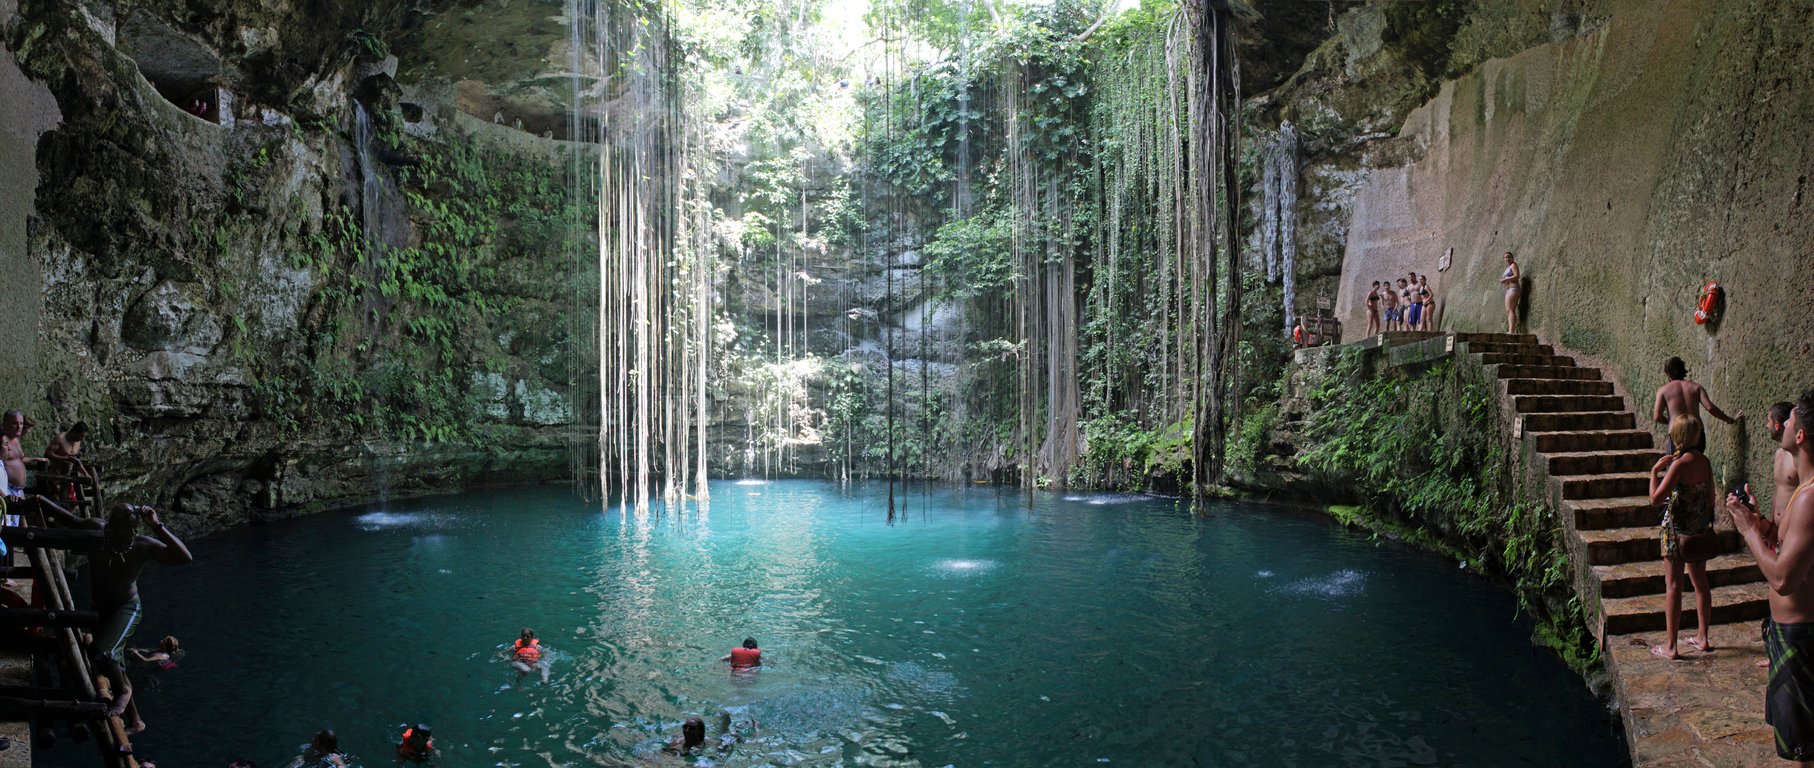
[{"x": 80, "y": 540}]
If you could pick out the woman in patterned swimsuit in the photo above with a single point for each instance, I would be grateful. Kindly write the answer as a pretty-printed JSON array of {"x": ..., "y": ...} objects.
[{"x": 1685, "y": 480}]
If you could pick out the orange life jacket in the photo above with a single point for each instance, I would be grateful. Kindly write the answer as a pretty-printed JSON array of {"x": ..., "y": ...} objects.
[
  {"x": 407, "y": 747},
  {"x": 746, "y": 657},
  {"x": 530, "y": 653}
]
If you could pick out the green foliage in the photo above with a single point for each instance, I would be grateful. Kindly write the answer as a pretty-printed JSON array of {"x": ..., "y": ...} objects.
[
  {"x": 1251, "y": 436},
  {"x": 244, "y": 175},
  {"x": 970, "y": 256}
]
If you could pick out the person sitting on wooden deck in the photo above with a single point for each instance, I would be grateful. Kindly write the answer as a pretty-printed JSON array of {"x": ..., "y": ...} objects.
[{"x": 114, "y": 586}]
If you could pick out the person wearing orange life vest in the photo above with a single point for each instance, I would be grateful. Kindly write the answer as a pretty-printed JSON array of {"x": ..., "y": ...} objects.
[
  {"x": 746, "y": 657},
  {"x": 418, "y": 745},
  {"x": 526, "y": 655}
]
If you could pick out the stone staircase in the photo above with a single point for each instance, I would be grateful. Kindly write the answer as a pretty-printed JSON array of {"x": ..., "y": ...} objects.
[{"x": 1597, "y": 462}]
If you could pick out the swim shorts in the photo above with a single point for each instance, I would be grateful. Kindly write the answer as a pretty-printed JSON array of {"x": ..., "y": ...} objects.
[
  {"x": 1416, "y": 313},
  {"x": 116, "y": 626},
  {"x": 1789, "y": 700}
]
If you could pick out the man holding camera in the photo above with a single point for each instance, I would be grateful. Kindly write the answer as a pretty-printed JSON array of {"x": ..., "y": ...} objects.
[{"x": 1789, "y": 634}]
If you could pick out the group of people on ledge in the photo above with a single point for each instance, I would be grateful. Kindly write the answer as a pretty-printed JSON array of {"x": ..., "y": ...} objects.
[
  {"x": 1408, "y": 306},
  {"x": 1782, "y": 543},
  {"x": 65, "y": 482},
  {"x": 527, "y": 655}
]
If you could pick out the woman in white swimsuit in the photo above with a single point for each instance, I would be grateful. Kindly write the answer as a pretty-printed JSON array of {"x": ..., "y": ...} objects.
[{"x": 1510, "y": 281}]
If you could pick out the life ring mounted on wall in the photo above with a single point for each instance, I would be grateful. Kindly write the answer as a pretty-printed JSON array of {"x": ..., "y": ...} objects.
[{"x": 1707, "y": 306}]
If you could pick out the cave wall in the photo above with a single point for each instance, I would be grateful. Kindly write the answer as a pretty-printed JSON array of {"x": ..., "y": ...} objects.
[
  {"x": 1625, "y": 166},
  {"x": 30, "y": 111},
  {"x": 202, "y": 289}
]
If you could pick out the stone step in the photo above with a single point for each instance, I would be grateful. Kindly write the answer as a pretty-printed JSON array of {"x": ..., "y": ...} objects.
[
  {"x": 1501, "y": 338},
  {"x": 1617, "y": 546},
  {"x": 1646, "y": 578},
  {"x": 1502, "y": 358},
  {"x": 1738, "y": 603},
  {"x": 1592, "y": 440},
  {"x": 1566, "y": 403},
  {"x": 1579, "y": 422},
  {"x": 1556, "y": 387},
  {"x": 1543, "y": 372},
  {"x": 1600, "y": 462},
  {"x": 1500, "y": 347},
  {"x": 1621, "y": 512},
  {"x": 1614, "y": 486}
]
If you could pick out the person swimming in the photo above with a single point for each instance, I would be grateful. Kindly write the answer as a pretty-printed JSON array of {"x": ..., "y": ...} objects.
[
  {"x": 418, "y": 745},
  {"x": 746, "y": 657},
  {"x": 526, "y": 655},
  {"x": 692, "y": 736},
  {"x": 163, "y": 657},
  {"x": 323, "y": 751}
]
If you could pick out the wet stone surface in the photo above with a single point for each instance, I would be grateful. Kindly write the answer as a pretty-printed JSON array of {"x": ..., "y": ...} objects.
[{"x": 1705, "y": 710}]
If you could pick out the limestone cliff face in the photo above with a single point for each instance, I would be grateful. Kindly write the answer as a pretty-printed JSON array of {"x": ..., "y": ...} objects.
[
  {"x": 209, "y": 295},
  {"x": 1624, "y": 167}
]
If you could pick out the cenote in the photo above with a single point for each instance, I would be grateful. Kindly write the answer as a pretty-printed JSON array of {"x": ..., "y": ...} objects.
[{"x": 978, "y": 629}]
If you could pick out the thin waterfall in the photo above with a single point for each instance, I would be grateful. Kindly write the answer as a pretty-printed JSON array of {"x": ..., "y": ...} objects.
[
  {"x": 372, "y": 309},
  {"x": 1279, "y": 216}
]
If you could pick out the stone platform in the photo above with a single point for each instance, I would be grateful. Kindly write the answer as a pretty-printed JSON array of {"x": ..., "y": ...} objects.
[{"x": 1705, "y": 710}]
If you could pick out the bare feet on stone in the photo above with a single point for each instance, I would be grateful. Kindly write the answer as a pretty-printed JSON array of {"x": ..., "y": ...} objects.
[{"x": 1761, "y": 663}]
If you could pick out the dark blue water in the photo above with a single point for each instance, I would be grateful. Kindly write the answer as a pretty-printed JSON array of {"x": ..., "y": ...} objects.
[{"x": 1086, "y": 630}]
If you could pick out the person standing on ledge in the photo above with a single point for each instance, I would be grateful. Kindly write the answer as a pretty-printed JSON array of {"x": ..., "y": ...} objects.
[
  {"x": 1684, "y": 483},
  {"x": 1789, "y": 634},
  {"x": 1782, "y": 467},
  {"x": 1683, "y": 397},
  {"x": 1513, "y": 287},
  {"x": 114, "y": 586},
  {"x": 1373, "y": 309}
]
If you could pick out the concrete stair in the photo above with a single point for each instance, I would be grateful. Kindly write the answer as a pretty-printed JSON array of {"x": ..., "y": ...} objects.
[{"x": 1598, "y": 462}]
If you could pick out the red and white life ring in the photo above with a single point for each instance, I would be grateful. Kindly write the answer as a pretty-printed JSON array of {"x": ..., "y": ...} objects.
[{"x": 1708, "y": 303}]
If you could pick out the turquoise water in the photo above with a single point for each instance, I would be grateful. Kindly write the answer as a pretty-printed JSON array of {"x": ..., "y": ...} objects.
[{"x": 1087, "y": 630}]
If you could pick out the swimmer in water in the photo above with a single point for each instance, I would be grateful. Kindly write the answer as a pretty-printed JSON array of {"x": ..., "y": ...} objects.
[
  {"x": 526, "y": 655},
  {"x": 746, "y": 657},
  {"x": 730, "y": 736},
  {"x": 692, "y": 736},
  {"x": 162, "y": 657},
  {"x": 323, "y": 751},
  {"x": 418, "y": 745}
]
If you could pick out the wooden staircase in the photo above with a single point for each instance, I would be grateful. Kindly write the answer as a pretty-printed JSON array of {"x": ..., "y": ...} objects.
[{"x": 1597, "y": 464}]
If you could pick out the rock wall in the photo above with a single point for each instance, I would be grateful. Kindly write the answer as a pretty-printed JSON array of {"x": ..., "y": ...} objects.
[
  {"x": 1669, "y": 146},
  {"x": 211, "y": 299},
  {"x": 30, "y": 111}
]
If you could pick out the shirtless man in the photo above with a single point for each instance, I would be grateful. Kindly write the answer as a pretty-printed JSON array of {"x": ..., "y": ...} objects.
[
  {"x": 114, "y": 586},
  {"x": 1789, "y": 635},
  {"x": 1782, "y": 470},
  {"x": 63, "y": 461},
  {"x": 1681, "y": 396},
  {"x": 1391, "y": 298},
  {"x": 12, "y": 426}
]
